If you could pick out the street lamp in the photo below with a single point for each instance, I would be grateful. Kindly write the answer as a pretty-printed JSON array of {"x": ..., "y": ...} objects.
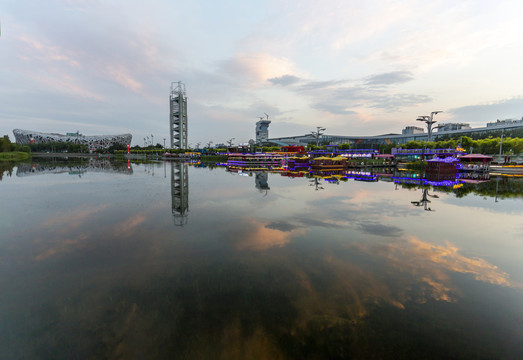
[
  {"x": 429, "y": 120},
  {"x": 317, "y": 134}
]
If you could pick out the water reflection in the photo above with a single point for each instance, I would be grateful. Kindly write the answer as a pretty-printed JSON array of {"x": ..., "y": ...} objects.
[
  {"x": 316, "y": 183},
  {"x": 424, "y": 200},
  {"x": 180, "y": 192},
  {"x": 261, "y": 181},
  {"x": 352, "y": 271},
  {"x": 6, "y": 168},
  {"x": 78, "y": 167}
]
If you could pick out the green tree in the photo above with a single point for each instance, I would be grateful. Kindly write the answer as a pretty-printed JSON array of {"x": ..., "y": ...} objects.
[{"x": 5, "y": 144}]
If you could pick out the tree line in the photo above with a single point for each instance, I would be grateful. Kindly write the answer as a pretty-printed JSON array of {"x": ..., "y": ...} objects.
[
  {"x": 7, "y": 146},
  {"x": 488, "y": 146}
]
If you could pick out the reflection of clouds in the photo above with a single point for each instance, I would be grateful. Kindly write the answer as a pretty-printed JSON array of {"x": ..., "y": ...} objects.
[
  {"x": 126, "y": 227},
  {"x": 74, "y": 218},
  {"x": 70, "y": 231},
  {"x": 520, "y": 231},
  {"x": 449, "y": 258},
  {"x": 430, "y": 265},
  {"x": 61, "y": 247},
  {"x": 281, "y": 225},
  {"x": 378, "y": 229},
  {"x": 361, "y": 196},
  {"x": 439, "y": 290},
  {"x": 64, "y": 229},
  {"x": 262, "y": 237},
  {"x": 388, "y": 208},
  {"x": 311, "y": 221},
  {"x": 360, "y": 207}
]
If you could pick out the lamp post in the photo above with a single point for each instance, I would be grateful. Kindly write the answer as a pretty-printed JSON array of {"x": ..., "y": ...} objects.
[
  {"x": 317, "y": 134},
  {"x": 429, "y": 120},
  {"x": 501, "y": 143}
]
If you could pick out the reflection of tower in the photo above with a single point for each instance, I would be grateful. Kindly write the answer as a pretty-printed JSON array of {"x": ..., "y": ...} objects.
[
  {"x": 180, "y": 192},
  {"x": 262, "y": 130},
  {"x": 178, "y": 116},
  {"x": 261, "y": 181}
]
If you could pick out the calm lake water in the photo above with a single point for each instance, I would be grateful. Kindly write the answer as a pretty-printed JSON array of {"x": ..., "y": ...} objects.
[{"x": 105, "y": 260}]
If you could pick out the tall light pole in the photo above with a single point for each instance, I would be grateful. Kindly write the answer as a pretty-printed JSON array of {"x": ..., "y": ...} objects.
[
  {"x": 501, "y": 142},
  {"x": 429, "y": 120},
  {"x": 317, "y": 134}
]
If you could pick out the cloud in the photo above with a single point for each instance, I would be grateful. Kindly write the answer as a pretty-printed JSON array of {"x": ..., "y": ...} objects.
[
  {"x": 320, "y": 85},
  {"x": 253, "y": 69},
  {"x": 390, "y": 78},
  {"x": 338, "y": 109},
  {"x": 341, "y": 97},
  {"x": 503, "y": 109},
  {"x": 285, "y": 80},
  {"x": 397, "y": 101}
]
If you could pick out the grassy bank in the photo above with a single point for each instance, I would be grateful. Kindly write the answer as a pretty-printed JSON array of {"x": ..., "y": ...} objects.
[
  {"x": 14, "y": 156},
  {"x": 213, "y": 158}
]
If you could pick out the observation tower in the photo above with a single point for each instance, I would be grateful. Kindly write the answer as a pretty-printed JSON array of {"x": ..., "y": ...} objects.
[{"x": 178, "y": 116}]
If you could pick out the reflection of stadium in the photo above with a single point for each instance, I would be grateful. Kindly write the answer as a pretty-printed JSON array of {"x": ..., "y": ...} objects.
[
  {"x": 78, "y": 168},
  {"x": 94, "y": 142}
]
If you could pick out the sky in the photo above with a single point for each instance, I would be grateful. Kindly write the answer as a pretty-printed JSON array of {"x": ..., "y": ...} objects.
[{"x": 364, "y": 67}]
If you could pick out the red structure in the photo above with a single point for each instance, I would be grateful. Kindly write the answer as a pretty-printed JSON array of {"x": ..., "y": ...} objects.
[
  {"x": 293, "y": 149},
  {"x": 475, "y": 162}
]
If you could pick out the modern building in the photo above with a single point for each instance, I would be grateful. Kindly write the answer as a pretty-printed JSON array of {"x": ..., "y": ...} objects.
[
  {"x": 452, "y": 127},
  {"x": 412, "y": 130},
  {"x": 94, "y": 142},
  {"x": 411, "y": 134},
  {"x": 178, "y": 116},
  {"x": 505, "y": 122},
  {"x": 262, "y": 130}
]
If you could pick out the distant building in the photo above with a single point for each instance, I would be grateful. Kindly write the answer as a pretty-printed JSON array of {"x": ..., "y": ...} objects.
[
  {"x": 412, "y": 130},
  {"x": 94, "y": 142},
  {"x": 262, "y": 130},
  {"x": 410, "y": 133},
  {"x": 453, "y": 127},
  {"x": 505, "y": 122}
]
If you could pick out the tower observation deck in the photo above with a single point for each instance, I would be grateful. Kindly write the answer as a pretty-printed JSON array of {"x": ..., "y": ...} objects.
[
  {"x": 262, "y": 130},
  {"x": 178, "y": 115}
]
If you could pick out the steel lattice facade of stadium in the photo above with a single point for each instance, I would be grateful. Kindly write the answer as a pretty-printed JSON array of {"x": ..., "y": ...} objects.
[{"x": 94, "y": 142}]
